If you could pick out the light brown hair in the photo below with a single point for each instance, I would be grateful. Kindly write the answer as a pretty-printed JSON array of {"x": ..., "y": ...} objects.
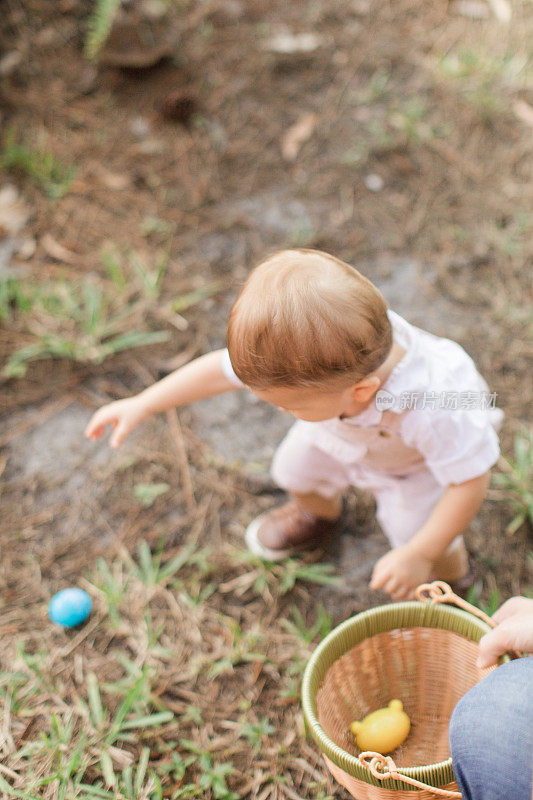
[{"x": 304, "y": 317}]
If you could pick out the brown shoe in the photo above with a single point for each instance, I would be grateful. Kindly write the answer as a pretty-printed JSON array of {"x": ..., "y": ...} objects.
[{"x": 284, "y": 531}]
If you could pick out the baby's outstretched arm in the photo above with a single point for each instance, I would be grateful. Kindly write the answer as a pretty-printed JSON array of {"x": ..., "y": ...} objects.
[
  {"x": 201, "y": 378},
  {"x": 402, "y": 569}
]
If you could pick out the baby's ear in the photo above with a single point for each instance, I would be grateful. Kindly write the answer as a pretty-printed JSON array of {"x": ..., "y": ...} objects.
[{"x": 365, "y": 388}]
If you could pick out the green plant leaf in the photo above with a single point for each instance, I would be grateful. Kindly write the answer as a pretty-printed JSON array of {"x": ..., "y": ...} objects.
[
  {"x": 147, "y": 493},
  {"x": 95, "y": 701},
  {"x": 99, "y": 26},
  {"x": 148, "y": 721}
]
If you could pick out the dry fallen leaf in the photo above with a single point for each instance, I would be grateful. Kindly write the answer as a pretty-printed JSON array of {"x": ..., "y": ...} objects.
[
  {"x": 25, "y": 248},
  {"x": 524, "y": 111},
  {"x": 112, "y": 180},
  {"x": 473, "y": 9},
  {"x": 56, "y": 250},
  {"x": 288, "y": 43},
  {"x": 9, "y": 62},
  {"x": 13, "y": 211},
  {"x": 297, "y": 134},
  {"x": 501, "y": 10}
]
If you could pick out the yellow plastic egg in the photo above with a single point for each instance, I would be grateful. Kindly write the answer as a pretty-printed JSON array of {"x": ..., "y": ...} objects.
[{"x": 382, "y": 730}]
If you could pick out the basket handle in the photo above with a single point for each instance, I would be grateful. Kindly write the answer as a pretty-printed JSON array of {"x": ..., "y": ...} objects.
[
  {"x": 440, "y": 592},
  {"x": 383, "y": 767}
]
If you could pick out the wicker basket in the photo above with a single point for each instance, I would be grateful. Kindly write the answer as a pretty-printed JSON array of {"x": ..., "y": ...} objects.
[{"x": 419, "y": 652}]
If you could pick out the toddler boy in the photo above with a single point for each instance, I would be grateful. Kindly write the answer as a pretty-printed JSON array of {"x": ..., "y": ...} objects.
[{"x": 381, "y": 405}]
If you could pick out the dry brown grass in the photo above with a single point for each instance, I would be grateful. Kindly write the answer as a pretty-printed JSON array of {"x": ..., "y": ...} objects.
[{"x": 436, "y": 105}]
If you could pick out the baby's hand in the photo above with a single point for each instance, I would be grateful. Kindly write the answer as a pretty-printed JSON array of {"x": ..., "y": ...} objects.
[
  {"x": 514, "y": 631},
  {"x": 122, "y": 415},
  {"x": 400, "y": 571}
]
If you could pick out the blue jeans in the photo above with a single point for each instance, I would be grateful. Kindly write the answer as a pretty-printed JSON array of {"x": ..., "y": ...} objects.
[{"x": 491, "y": 735}]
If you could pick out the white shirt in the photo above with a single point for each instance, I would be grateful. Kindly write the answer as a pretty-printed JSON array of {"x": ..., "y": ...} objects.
[{"x": 446, "y": 411}]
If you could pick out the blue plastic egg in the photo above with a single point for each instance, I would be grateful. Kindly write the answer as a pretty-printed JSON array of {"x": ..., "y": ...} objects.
[{"x": 70, "y": 607}]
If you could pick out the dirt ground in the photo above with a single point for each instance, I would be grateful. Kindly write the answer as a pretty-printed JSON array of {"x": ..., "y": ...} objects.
[{"x": 414, "y": 165}]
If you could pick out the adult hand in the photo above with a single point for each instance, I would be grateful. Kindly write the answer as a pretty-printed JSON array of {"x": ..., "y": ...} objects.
[
  {"x": 400, "y": 571},
  {"x": 122, "y": 415},
  {"x": 514, "y": 631}
]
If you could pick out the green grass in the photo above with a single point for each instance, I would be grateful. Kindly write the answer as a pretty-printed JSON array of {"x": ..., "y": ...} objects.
[
  {"x": 211, "y": 776},
  {"x": 99, "y": 26},
  {"x": 43, "y": 168},
  {"x": 377, "y": 86},
  {"x": 85, "y": 321},
  {"x": 67, "y": 321},
  {"x": 147, "y": 493},
  {"x": 515, "y": 481},
  {"x": 150, "y": 568},
  {"x": 484, "y": 79},
  {"x": 155, "y": 225},
  {"x": 242, "y": 649},
  {"x": 281, "y": 577},
  {"x": 255, "y": 732},
  {"x": 93, "y": 319},
  {"x": 298, "y": 627},
  {"x": 77, "y": 740},
  {"x": 480, "y": 66},
  {"x": 474, "y": 598},
  {"x": 166, "y": 697},
  {"x": 512, "y": 238},
  {"x": 185, "y": 301},
  {"x": 93, "y": 747}
]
